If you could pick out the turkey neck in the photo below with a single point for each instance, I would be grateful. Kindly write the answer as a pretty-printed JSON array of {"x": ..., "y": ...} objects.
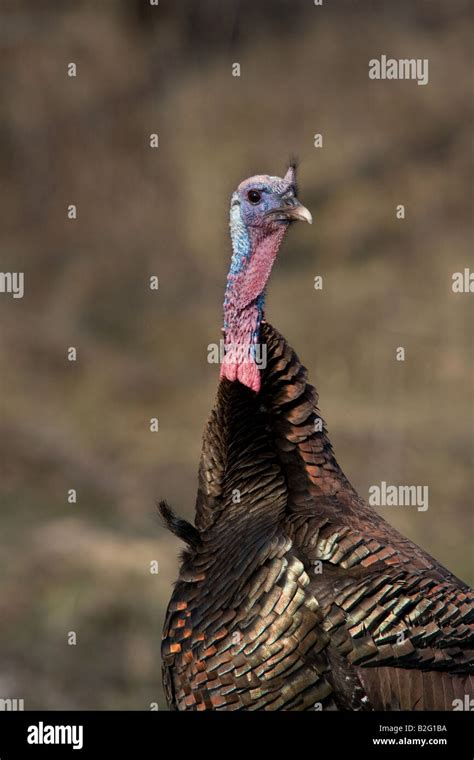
[{"x": 254, "y": 253}]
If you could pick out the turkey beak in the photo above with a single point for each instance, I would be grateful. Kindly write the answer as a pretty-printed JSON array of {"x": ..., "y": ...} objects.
[{"x": 293, "y": 210}]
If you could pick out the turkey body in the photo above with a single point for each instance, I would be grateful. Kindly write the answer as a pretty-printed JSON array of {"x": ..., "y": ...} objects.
[{"x": 293, "y": 593}]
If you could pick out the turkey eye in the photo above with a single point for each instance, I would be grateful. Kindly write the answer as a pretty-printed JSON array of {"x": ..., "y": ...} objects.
[{"x": 254, "y": 196}]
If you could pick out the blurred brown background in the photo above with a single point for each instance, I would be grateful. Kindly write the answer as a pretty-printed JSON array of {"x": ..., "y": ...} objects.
[{"x": 85, "y": 567}]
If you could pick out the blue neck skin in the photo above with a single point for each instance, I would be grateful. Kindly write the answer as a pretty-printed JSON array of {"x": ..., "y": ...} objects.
[{"x": 241, "y": 253}]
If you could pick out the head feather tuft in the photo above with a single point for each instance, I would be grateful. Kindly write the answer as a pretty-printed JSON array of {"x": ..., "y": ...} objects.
[{"x": 290, "y": 175}]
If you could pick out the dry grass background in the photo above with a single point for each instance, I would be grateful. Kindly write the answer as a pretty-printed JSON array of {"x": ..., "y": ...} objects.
[{"x": 85, "y": 567}]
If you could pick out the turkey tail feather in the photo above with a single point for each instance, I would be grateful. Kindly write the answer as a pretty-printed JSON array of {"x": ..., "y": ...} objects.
[{"x": 177, "y": 525}]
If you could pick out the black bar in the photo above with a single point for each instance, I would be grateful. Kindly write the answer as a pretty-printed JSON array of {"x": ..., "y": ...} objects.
[{"x": 165, "y": 734}]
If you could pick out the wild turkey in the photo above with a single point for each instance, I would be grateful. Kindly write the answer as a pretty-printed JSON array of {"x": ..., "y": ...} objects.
[{"x": 293, "y": 594}]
